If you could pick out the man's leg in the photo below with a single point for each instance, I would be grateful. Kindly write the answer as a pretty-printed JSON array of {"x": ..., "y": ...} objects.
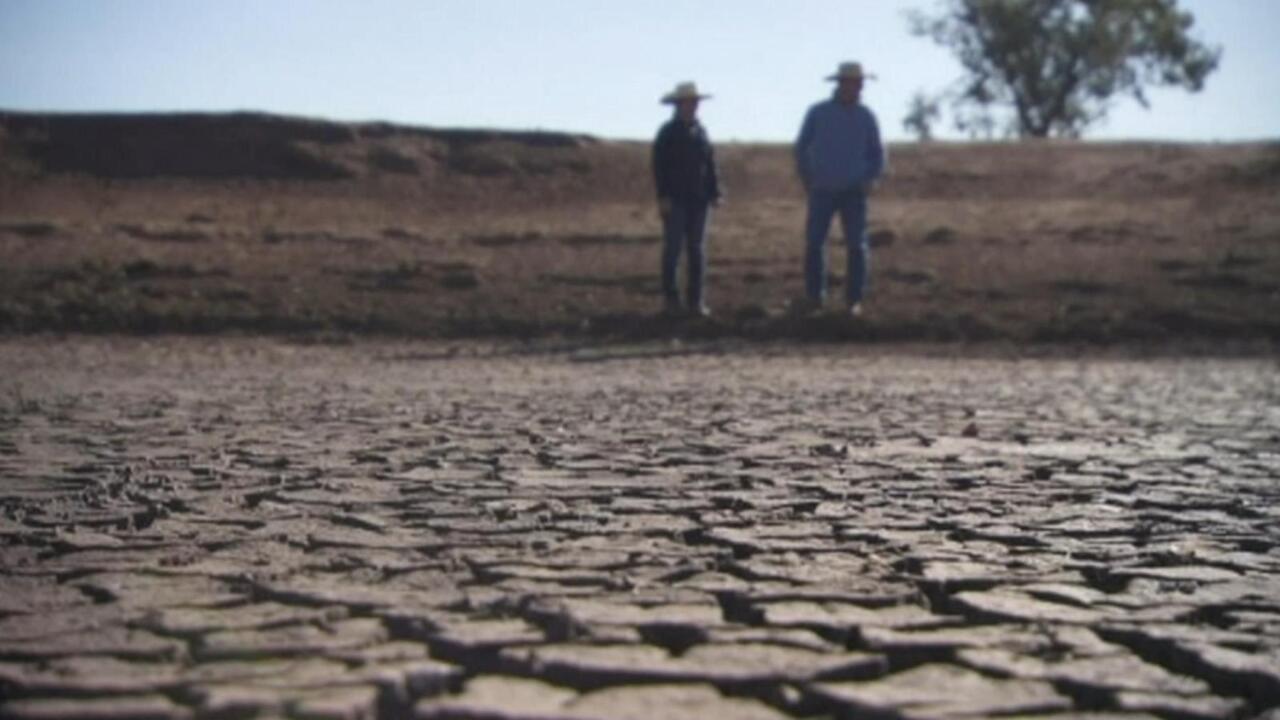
[
  {"x": 672, "y": 242},
  {"x": 695, "y": 229},
  {"x": 853, "y": 216},
  {"x": 821, "y": 208}
]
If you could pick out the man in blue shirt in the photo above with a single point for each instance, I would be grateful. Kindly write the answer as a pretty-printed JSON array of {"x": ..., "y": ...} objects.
[{"x": 839, "y": 157}]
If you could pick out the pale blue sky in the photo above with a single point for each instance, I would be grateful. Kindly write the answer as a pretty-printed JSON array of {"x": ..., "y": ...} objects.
[{"x": 592, "y": 66}]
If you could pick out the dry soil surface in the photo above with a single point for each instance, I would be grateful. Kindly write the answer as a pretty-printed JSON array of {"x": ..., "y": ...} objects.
[{"x": 248, "y": 528}]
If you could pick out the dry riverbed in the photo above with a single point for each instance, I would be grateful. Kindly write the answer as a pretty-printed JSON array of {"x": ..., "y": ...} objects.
[{"x": 252, "y": 528}]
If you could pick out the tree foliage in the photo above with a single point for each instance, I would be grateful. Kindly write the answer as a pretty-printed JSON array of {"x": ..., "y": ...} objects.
[
  {"x": 921, "y": 116},
  {"x": 1058, "y": 64}
]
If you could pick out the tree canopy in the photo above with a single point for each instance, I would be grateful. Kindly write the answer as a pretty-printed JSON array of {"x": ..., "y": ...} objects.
[{"x": 1058, "y": 64}]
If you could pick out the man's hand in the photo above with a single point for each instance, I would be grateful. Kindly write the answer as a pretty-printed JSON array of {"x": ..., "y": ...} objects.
[
  {"x": 664, "y": 206},
  {"x": 868, "y": 187}
]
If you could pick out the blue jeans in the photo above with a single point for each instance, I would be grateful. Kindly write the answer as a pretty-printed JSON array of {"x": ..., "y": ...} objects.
[
  {"x": 823, "y": 205},
  {"x": 684, "y": 227}
]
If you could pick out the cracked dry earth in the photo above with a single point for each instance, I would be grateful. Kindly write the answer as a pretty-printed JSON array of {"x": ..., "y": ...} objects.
[{"x": 247, "y": 528}]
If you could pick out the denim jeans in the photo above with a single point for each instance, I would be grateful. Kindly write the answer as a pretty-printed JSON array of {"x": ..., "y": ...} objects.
[
  {"x": 823, "y": 205},
  {"x": 684, "y": 227}
]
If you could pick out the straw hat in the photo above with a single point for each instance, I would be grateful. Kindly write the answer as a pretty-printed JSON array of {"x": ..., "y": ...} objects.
[
  {"x": 683, "y": 91},
  {"x": 850, "y": 70}
]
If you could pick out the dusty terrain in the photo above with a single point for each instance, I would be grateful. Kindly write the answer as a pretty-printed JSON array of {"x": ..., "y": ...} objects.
[
  {"x": 695, "y": 519},
  {"x": 246, "y": 528},
  {"x": 263, "y": 224}
]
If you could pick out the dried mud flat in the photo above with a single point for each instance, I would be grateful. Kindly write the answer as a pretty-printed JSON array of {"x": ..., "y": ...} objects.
[{"x": 247, "y": 528}]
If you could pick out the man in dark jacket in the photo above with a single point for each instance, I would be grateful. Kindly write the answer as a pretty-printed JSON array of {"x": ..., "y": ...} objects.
[{"x": 684, "y": 173}]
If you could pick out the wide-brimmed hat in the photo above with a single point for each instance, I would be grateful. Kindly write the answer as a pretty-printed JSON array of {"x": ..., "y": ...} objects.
[
  {"x": 684, "y": 91},
  {"x": 850, "y": 70}
]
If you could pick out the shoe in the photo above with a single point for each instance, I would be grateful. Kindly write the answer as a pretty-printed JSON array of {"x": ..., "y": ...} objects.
[
  {"x": 700, "y": 310},
  {"x": 855, "y": 310}
]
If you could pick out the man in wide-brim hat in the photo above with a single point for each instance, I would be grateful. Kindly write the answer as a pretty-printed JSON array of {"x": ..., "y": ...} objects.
[
  {"x": 687, "y": 184},
  {"x": 839, "y": 157}
]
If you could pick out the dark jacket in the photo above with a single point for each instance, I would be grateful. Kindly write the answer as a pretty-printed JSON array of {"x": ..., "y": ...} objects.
[{"x": 684, "y": 165}]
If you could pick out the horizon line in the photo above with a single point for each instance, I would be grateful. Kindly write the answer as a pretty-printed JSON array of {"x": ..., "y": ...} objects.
[{"x": 946, "y": 140}]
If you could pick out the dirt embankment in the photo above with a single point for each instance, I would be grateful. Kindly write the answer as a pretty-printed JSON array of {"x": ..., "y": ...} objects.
[{"x": 249, "y": 222}]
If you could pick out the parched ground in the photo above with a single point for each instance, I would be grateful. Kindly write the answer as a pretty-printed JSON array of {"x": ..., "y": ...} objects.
[
  {"x": 247, "y": 528},
  {"x": 209, "y": 224}
]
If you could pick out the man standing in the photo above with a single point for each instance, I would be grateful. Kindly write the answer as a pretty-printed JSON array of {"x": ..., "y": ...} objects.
[
  {"x": 839, "y": 157},
  {"x": 684, "y": 173}
]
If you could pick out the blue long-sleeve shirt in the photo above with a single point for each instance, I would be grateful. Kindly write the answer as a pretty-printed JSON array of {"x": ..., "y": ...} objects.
[{"x": 839, "y": 146}]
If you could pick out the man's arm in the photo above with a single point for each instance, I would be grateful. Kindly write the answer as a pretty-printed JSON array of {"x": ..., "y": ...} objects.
[
  {"x": 661, "y": 170},
  {"x": 876, "y": 156},
  {"x": 713, "y": 173}
]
